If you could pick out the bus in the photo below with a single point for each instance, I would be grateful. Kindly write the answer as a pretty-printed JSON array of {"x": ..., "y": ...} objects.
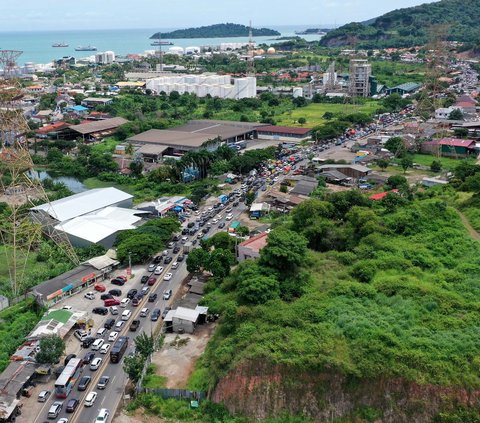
[
  {"x": 70, "y": 374},
  {"x": 118, "y": 349}
]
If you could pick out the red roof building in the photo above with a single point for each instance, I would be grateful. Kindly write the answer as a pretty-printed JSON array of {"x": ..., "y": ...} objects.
[
  {"x": 57, "y": 126},
  {"x": 250, "y": 249},
  {"x": 382, "y": 195}
]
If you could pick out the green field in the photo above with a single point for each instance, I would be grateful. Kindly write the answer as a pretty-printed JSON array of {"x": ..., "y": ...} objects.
[
  {"x": 314, "y": 112},
  {"x": 447, "y": 162}
]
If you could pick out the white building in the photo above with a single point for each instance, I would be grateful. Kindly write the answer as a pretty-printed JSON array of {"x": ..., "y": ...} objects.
[
  {"x": 444, "y": 112},
  {"x": 105, "y": 58},
  {"x": 222, "y": 86}
]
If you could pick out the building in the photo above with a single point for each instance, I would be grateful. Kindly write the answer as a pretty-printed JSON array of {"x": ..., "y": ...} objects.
[
  {"x": 105, "y": 58},
  {"x": 184, "y": 319},
  {"x": 283, "y": 133},
  {"x": 250, "y": 249},
  {"x": 450, "y": 147},
  {"x": 359, "y": 78},
  {"x": 304, "y": 185},
  {"x": 351, "y": 171},
  {"x": 52, "y": 131},
  {"x": 91, "y": 102},
  {"x": 257, "y": 210},
  {"x": 404, "y": 89},
  {"x": 223, "y": 86},
  {"x": 94, "y": 130},
  {"x": 444, "y": 112}
]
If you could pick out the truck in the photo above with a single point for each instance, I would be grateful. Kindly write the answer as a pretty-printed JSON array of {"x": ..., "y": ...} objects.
[{"x": 187, "y": 247}]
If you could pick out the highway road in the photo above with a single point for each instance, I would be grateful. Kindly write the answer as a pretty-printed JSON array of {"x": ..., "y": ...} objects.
[{"x": 112, "y": 395}]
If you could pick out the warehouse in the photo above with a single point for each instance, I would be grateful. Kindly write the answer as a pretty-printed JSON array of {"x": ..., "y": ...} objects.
[
  {"x": 283, "y": 133},
  {"x": 95, "y": 130}
]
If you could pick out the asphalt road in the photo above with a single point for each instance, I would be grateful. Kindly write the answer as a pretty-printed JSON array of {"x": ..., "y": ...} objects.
[{"x": 112, "y": 395}]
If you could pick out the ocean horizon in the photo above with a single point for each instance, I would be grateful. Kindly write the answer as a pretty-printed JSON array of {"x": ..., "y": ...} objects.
[{"x": 37, "y": 45}]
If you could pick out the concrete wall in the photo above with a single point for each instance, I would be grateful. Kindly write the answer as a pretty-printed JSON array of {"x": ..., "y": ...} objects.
[
  {"x": 245, "y": 253},
  {"x": 185, "y": 325}
]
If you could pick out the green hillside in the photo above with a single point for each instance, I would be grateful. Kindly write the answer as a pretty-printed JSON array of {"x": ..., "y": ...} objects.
[{"x": 410, "y": 26}]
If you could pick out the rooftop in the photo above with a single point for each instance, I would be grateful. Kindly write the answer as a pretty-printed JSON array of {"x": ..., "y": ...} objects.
[
  {"x": 99, "y": 125},
  {"x": 284, "y": 130},
  {"x": 407, "y": 86},
  {"x": 257, "y": 242},
  {"x": 188, "y": 314}
]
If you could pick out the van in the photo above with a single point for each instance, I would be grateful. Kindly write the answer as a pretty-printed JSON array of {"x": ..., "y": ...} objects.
[
  {"x": 126, "y": 315},
  {"x": 55, "y": 409},
  {"x": 97, "y": 344},
  {"x": 114, "y": 310},
  {"x": 101, "y": 332},
  {"x": 43, "y": 396}
]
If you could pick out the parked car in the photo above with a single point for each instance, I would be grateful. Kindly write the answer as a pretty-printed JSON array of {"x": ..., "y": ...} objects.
[
  {"x": 134, "y": 325},
  {"x": 89, "y": 295},
  {"x": 106, "y": 296},
  {"x": 165, "y": 312},
  {"x": 118, "y": 281},
  {"x": 99, "y": 287},
  {"x": 152, "y": 298},
  {"x": 43, "y": 396},
  {"x": 103, "y": 382},
  {"x": 89, "y": 341},
  {"x": 81, "y": 335}
]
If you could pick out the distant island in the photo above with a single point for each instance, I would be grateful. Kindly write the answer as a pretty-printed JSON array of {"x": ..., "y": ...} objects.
[
  {"x": 313, "y": 31},
  {"x": 216, "y": 31}
]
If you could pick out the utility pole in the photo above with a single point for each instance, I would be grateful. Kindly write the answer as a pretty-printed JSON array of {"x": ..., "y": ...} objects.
[{"x": 129, "y": 265}]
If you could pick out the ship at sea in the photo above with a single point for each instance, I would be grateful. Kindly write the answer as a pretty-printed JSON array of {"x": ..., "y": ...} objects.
[
  {"x": 86, "y": 48},
  {"x": 161, "y": 43},
  {"x": 59, "y": 45}
]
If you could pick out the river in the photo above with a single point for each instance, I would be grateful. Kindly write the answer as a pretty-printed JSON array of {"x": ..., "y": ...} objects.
[{"x": 70, "y": 182}]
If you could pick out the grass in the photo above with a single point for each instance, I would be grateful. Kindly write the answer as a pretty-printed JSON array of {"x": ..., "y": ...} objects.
[
  {"x": 314, "y": 112},
  {"x": 59, "y": 315},
  {"x": 447, "y": 162}
]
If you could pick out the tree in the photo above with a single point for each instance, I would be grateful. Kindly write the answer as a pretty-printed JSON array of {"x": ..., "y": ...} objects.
[
  {"x": 456, "y": 115},
  {"x": 460, "y": 132},
  {"x": 302, "y": 120},
  {"x": 284, "y": 188},
  {"x": 220, "y": 240},
  {"x": 129, "y": 150},
  {"x": 219, "y": 262},
  {"x": 197, "y": 260},
  {"x": 406, "y": 163},
  {"x": 258, "y": 290},
  {"x": 51, "y": 349},
  {"x": 140, "y": 245},
  {"x": 133, "y": 367},
  {"x": 382, "y": 164},
  {"x": 436, "y": 166},
  {"x": 397, "y": 181},
  {"x": 249, "y": 197},
  {"x": 242, "y": 231},
  {"x": 144, "y": 345},
  {"x": 136, "y": 167},
  {"x": 395, "y": 145}
]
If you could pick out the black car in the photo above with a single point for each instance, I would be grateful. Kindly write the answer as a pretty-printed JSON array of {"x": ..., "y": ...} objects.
[
  {"x": 115, "y": 292},
  {"x": 152, "y": 298},
  {"x": 134, "y": 325},
  {"x": 109, "y": 324},
  {"x": 155, "y": 314},
  {"x": 131, "y": 293},
  {"x": 201, "y": 224},
  {"x": 165, "y": 312},
  {"x": 72, "y": 404},
  {"x": 167, "y": 260},
  {"x": 84, "y": 381},
  {"x": 89, "y": 356},
  {"x": 100, "y": 310},
  {"x": 144, "y": 279},
  {"x": 117, "y": 281},
  {"x": 235, "y": 204},
  {"x": 184, "y": 231},
  {"x": 190, "y": 225},
  {"x": 192, "y": 231},
  {"x": 88, "y": 341},
  {"x": 176, "y": 250},
  {"x": 104, "y": 297},
  {"x": 180, "y": 257},
  {"x": 157, "y": 259},
  {"x": 68, "y": 358},
  {"x": 221, "y": 225}
]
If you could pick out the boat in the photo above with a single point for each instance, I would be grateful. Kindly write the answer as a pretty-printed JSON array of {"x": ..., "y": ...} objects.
[
  {"x": 86, "y": 48},
  {"x": 161, "y": 43},
  {"x": 59, "y": 45}
]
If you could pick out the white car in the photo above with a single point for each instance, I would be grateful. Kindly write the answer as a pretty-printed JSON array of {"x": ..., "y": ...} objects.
[
  {"x": 184, "y": 239},
  {"x": 174, "y": 264},
  {"x": 89, "y": 295},
  {"x": 167, "y": 277},
  {"x": 214, "y": 221},
  {"x": 151, "y": 267},
  {"x": 119, "y": 325},
  {"x": 165, "y": 252},
  {"x": 113, "y": 336},
  {"x": 90, "y": 399},
  {"x": 220, "y": 217},
  {"x": 63, "y": 420},
  {"x": 103, "y": 415},
  {"x": 158, "y": 270},
  {"x": 229, "y": 217},
  {"x": 105, "y": 348},
  {"x": 125, "y": 302},
  {"x": 95, "y": 364}
]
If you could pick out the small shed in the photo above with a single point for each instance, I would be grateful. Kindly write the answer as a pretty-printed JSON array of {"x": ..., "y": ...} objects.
[{"x": 184, "y": 320}]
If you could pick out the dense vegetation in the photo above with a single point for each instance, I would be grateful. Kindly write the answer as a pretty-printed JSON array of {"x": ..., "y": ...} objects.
[
  {"x": 386, "y": 289},
  {"x": 217, "y": 31},
  {"x": 410, "y": 26}
]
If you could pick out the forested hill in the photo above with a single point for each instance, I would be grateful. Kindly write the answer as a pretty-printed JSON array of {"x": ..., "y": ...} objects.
[
  {"x": 410, "y": 26},
  {"x": 217, "y": 31}
]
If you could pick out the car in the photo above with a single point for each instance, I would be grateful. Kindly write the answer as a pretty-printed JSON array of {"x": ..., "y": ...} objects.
[
  {"x": 214, "y": 221},
  {"x": 165, "y": 312},
  {"x": 144, "y": 279},
  {"x": 62, "y": 420},
  {"x": 84, "y": 382},
  {"x": 113, "y": 336},
  {"x": 103, "y": 415},
  {"x": 184, "y": 231},
  {"x": 156, "y": 312},
  {"x": 152, "y": 298},
  {"x": 115, "y": 292},
  {"x": 171, "y": 244},
  {"x": 134, "y": 325},
  {"x": 176, "y": 250},
  {"x": 80, "y": 334},
  {"x": 184, "y": 239},
  {"x": 89, "y": 341},
  {"x": 151, "y": 267},
  {"x": 165, "y": 253},
  {"x": 99, "y": 287},
  {"x": 90, "y": 399},
  {"x": 144, "y": 312},
  {"x": 105, "y": 348},
  {"x": 68, "y": 358},
  {"x": 103, "y": 382},
  {"x": 55, "y": 409},
  {"x": 136, "y": 302},
  {"x": 118, "y": 281},
  {"x": 156, "y": 260},
  {"x": 131, "y": 293},
  {"x": 126, "y": 315},
  {"x": 95, "y": 364},
  {"x": 111, "y": 302},
  {"x": 167, "y": 260},
  {"x": 167, "y": 277},
  {"x": 101, "y": 332},
  {"x": 228, "y": 209},
  {"x": 100, "y": 310},
  {"x": 123, "y": 278},
  {"x": 89, "y": 356},
  {"x": 229, "y": 217},
  {"x": 151, "y": 281},
  {"x": 43, "y": 396},
  {"x": 106, "y": 296},
  {"x": 167, "y": 294},
  {"x": 72, "y": 404},
  {"x": 118, "y": 326},
  {"x": 181, "y": 257},
  {"x": 97, "y": 344},
  {"x": 109, "y": 324},
  {"x": 235, "y": 203},
  {"x": 190, "y": 225},
  {"x": 221, "y": 225},
  {"x": 174, "y": 264},
  {"x": 125, "y": 302},
  {"x": 158, "y": 270},
  {"x": 90, "y": 295},
  {"x": 145, "y": 290},
  {"x": 114, "y": 310}
]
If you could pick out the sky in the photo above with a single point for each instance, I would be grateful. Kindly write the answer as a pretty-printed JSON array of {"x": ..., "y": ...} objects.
[{"x": 48, "y": 15}]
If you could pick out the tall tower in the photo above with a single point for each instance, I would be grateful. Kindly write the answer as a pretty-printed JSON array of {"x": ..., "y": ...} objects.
[
  {"x": 8, "y": 63},
  {"x": 359, "y": 83},
  {"x": 18, "y": 232},
  {"x": 250, "y": 59},
  {"x": 330, "y": 78}
]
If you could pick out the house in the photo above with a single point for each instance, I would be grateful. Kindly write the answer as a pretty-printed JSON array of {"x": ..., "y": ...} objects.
[
  {"x": 444, "y": 112},
  {"x": 449, "y": 147},
  {"x": 94, "y": 130},
  {"x": 250, "y": 249},
  {"x": 52, "y": 131},
  {"x": 185, "y": 320},
  {"x": 304, "y": 185},
  {"x": 91, "y": 102},
  {"x": 354, "y": 171},
  {"x": 258, "y": 210}
]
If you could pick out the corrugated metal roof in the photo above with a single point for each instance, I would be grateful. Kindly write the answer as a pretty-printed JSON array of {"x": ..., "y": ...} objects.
[
  {"x": 284, "y": 130},
  {"x": 99, "y": 125},
  {"x": 187, "y": 314}
]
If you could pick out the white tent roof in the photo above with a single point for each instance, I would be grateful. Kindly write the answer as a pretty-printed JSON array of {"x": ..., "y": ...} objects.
[
  {"x": 83, "y": 203},
  {"x": 188, "y": 314},
  {"x": 98, "y": 226}
]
